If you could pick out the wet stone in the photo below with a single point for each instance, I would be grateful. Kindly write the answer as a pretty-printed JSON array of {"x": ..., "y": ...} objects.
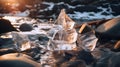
[
  {"x": 86, "y": 56},
  {"x": 6, "y": 26},
  {"x": 43, "y": 6},
  {"x": 77, "y": 63},
  {"x": 87, "y": 9},
  {"x": 115, "y": 9},
  {"x": 109, "y": 30},
  {"x": 57, "y": 8},
  {"x": 25, "y": 27}
]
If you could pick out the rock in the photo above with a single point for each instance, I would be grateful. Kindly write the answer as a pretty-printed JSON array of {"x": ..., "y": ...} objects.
[
  {"x": 103, "y": 61},
  {"x": 87, "y": 9},
  {"x": 85, "y": 56},
  {"x": 113, "y": 1},
  {"x": 68, "y": 58},
  {"x": 25, "y": 27},
  {"x": 77, "y": 63},
  {"x": 43, "y": 6},
  {"x": 61, "y": 57},
  {"x": 57, "y": 1},
  {"x": 114, "y": 60},
  {"x": 97, "y": 53},
  {"x": 6, "y": 43},
  {"x": 74, "y": 3},
  {"x": 115, "y": 9},
  {"x": 57, "y": 8},
  {"x": 6, "y": 26},
  {"x": 108, "y": 59},
  {"x": 83, "y": 2},
  {"x": 11, "y": 60},
  {"x": 109, "y": 30},
  {"x": 70, "y": 11}
]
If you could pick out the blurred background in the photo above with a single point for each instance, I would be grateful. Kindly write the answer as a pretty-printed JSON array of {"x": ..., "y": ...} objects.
[{"x": 81, "y": 10}]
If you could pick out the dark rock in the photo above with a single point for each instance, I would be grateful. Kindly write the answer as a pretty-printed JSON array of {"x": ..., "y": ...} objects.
[
  {"x": 57, "y": 1},
  {"x": 74, "y": 3},
  {"x": 43, "y": 6},
  {"x": 6, "y": 43},
  {"x": 108, "y": 59},
  {"x": 14, "y": 61},
  {"x": 109, "y": 30},
  {"x": 6, "y": 26},
  {"x": 105, "y": 5},
  {"x": 114, "y": 60},
  {"x": 57, "y": 8},
  {"x": 62, "y": 54},
  {"x": 86, "y": 56},
  {"x": 61, "y": 57},
  {"x": 83, "y": 2},
  {"x": 113, "y": 1},
  {"x": 104, "y": 60},
  {"x": 115, "y": 9},
  {"x": 25, "y": 27},
  {"x": 96, "y": 53},
  {"x": 34, "y": 53},
  {"x": 70, "y": 11},
  {"x": 46, "y": 13},
  {"x": 77, "y": 63},
  {"x": 87, "y": 9}
]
